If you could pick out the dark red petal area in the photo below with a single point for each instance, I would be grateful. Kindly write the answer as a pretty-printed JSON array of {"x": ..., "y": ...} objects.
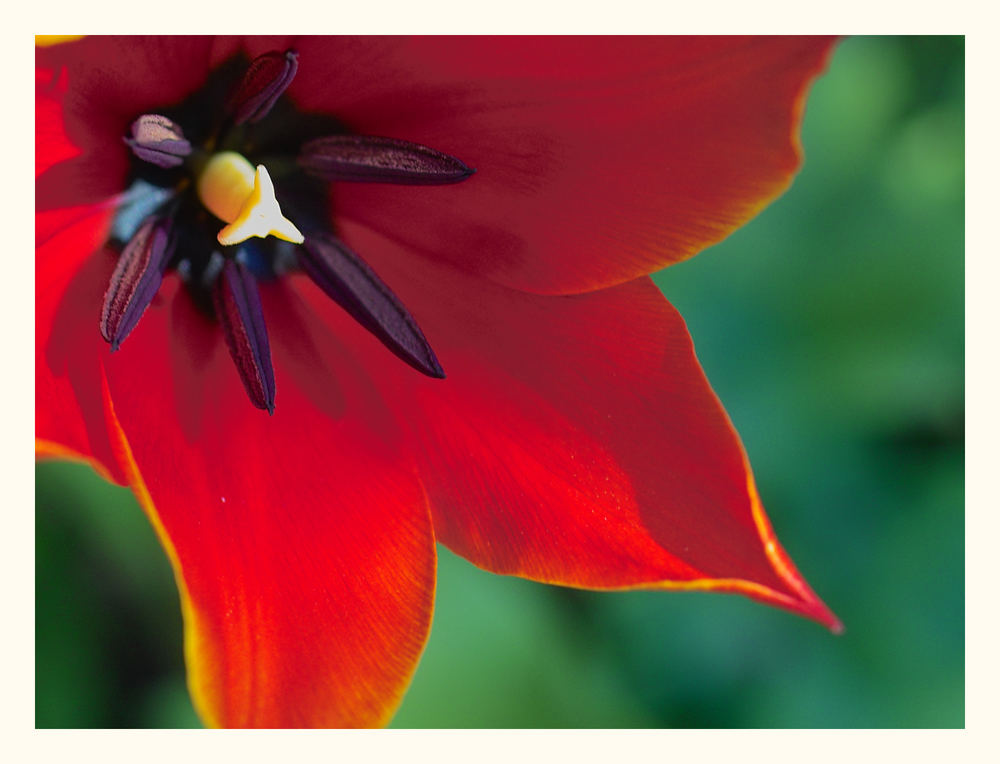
[
  {"x": 576, "y": 440},
  {"x": 69, "y": 270},
  {"x": 598, "y": 160},
  {"x": 52, "y": 145},
  {"x": 108, "y": 82},
  {"x": 301, "y": 542}
]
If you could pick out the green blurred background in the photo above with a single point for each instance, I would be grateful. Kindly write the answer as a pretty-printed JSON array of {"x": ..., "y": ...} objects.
[{"x": 832, "y": 329}]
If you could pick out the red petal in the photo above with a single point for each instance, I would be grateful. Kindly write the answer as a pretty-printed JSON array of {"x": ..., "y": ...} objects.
[
  {"x": 52, "y": 145},
  {"x": 302, "y": 545},
  {"x": 68, "y": 285},
  {"x": 598, "y": 160},
  {"x": 576, "y": 440},
  {"x": 71, "y": 274}
]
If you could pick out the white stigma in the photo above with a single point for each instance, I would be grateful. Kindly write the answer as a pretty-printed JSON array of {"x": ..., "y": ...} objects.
[{"x": 244, "y": 198}]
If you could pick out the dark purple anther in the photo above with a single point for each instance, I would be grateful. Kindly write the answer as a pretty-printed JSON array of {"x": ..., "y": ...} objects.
[
  {"x": 158, "y": 140},
  {"x": 136, "y": 280},
  {"x": 237, "y": 305},
  {"x": 380, "y": 160},
  {"x": 267, "y": 78},
  {"x": 348, "y": 280}
]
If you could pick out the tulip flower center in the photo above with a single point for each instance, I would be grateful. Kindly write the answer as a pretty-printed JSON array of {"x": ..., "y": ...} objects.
[{"x": 193, "y": 170}]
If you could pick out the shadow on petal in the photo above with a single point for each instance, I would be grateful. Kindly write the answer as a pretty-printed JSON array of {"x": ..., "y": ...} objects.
[
  {"x": 194, "y": 343},
  {"x": 75, "y": 349},
  {"x": 314, "y": 358},
  {"x": 81, "y": 180}
]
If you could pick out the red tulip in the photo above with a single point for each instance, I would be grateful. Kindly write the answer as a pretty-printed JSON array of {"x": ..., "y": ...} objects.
[{"x": 495, "y": 370}]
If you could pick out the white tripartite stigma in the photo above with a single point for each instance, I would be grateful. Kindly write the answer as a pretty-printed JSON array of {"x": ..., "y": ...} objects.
[{"x": 232, "y": 191}]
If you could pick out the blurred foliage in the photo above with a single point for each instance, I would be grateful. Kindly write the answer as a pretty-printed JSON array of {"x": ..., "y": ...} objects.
[{"x": 832, "y": 328}]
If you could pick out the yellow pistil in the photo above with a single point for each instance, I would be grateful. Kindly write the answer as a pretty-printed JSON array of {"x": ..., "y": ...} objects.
[{"x": 235, "y": 193}]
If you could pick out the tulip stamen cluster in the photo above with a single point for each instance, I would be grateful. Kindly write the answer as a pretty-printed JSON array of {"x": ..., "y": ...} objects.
[{"x": 186, "y": 181}]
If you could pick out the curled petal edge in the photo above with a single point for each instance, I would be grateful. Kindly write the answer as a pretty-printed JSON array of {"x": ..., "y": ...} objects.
[
  {"x": 807, "y": 603},
  {"x": 49, "y": 449},
  {"x": 195, "y": 652},
  {"x": 192, "y": 652}
]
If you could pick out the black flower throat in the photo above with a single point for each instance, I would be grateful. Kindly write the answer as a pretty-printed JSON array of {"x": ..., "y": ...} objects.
[{"x": 164, "y": 222}]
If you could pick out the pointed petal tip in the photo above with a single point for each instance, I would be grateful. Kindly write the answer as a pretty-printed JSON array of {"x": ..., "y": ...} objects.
[
  {"x": 803, "y": 601},
  {"x": 826, "y": 617},
  {"x": 807, "y": 604},
  {"x": 799, "y": 601},
  {"x": 798, "y": 596}
]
